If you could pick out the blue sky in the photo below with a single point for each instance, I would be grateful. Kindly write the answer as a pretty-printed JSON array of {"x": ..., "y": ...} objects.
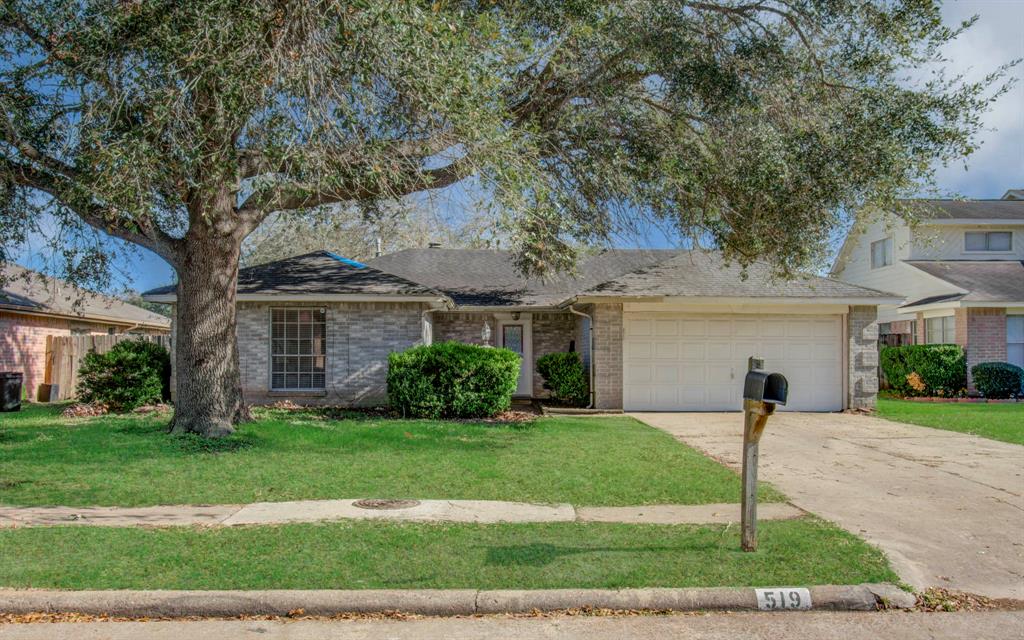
[{"x": 997, "y": 38}]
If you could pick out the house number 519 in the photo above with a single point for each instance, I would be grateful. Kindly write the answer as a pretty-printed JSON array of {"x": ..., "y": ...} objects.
[{"x": 783, "y": 598}]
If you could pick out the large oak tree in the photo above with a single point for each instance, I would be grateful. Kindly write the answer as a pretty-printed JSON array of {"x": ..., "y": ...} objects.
[{"x": 180, "y": 125}]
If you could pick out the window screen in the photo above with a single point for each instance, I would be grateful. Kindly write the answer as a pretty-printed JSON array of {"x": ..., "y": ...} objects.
[
  {"x": 940, "y": 330},
  {"x": 1015, "y": 340},
  {"x": 881, "y": 253},
  {"x": 298, "y": 349},
  {"x": 988, "y": 241}
]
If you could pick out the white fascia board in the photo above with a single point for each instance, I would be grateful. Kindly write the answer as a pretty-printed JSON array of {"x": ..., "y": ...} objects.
[
  {"x": 865, "y": 301},
  {"x": 170, "y": 298},
  {"x": 974, "y": 221}
]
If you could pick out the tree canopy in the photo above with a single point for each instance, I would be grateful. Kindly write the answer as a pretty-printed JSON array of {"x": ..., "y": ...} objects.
[{"x": 746, "y": 125}]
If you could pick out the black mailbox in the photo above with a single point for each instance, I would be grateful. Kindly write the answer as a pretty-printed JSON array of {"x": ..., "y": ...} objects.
[{"x": 765, "y": 387}]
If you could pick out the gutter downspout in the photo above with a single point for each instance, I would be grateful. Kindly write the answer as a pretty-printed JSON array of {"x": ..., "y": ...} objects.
[{"x": 590, "y": 350}]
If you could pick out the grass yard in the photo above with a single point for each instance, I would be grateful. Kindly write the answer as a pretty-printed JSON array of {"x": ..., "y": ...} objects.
[
  {"x": 366, "y": 555},
  {"x": 996, "y": 421},
  {"x": 131, "y": 461}
]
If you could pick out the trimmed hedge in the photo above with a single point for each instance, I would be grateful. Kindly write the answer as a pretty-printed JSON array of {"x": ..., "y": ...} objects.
[
  {"x": 925, "y": 369},
  {"x": 998, "y": 379},
  {"x": 564, "y": 375},
  {"x": 133, "y": 373},
  {"x": 452, "y": 380}
]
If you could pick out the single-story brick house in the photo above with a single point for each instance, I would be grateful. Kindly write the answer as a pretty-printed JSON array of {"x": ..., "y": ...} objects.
[
  {"x": 33, "y": 306},
  {"x": 660, "y": 330}
]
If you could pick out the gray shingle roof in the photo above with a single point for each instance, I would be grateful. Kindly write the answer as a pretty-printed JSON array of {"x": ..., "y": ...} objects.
[
  {"x": 984, "y": 281},
  {"x": 27, "y": 290},
  {"x": 488, "y": 278},
  {"x": 969, "y": 209},
  {"x": 320, "y": 272},
  {"x": 704, "y": 274}
]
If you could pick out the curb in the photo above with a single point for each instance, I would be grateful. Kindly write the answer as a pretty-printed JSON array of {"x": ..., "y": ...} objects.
[{"x": 429, "y": 602}]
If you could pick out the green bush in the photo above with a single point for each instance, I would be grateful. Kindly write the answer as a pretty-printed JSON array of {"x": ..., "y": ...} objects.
[
  {"x": 998, "y": 379},
  {"x": 925, "y": 369},
  {"x": 133, "y": 373},
  {"x": 564, "y": 375},
  {"x": 452, "y": 380}
]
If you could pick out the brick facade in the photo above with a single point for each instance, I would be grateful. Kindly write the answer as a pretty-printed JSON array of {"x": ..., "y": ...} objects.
[
  {"x": 985, "y": 337},
  {"x": 862, "y": 357},
  {"x": 359, "y": 338},
  {"x": 552, "y": 332},
  {"x": 607, "y": 356},
  {"x": 23, "y": 343}
]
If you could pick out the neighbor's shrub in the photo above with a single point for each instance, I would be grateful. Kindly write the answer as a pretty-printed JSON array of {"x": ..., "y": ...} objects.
[
  {"x": 998, "y": 379},
  {"x": 564, "y": 375},
  {"x": 131, "y": 374},
  {"x": 925, "y": 369},
  {"x": 452, "y": 380}
]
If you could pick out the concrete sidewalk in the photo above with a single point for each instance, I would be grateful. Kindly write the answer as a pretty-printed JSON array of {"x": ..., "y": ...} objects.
[
  {"x": 478, "y": 511},
  {"x": 947, "y": 508}
]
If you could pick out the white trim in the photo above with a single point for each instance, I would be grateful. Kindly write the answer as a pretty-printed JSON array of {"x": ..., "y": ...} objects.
[
  {"x": 314, "y": 298},
  {"x": 970, "y": 221},
  {"x": 985, "y": 252},
  {"x": 851, "y": 301},
  {"x": 526, "y": 369},
  {"x": 961, "y": 304}
]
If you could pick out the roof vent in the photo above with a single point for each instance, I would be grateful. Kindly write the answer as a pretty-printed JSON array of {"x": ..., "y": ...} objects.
[{"x": 434, "y": 245}]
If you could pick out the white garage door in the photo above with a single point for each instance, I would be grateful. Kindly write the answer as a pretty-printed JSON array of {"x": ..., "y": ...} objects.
[{"x": 677, "y": 362}]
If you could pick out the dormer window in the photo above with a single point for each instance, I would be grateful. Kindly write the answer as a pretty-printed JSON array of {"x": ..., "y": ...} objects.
[
  {"x": 881, "y": 253},
  {"x": 988, "y": 241}
]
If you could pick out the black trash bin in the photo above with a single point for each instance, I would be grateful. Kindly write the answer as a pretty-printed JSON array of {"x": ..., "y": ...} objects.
[{"x": 10, "y": 390}]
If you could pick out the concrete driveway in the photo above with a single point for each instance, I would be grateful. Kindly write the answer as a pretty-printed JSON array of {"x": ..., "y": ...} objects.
[{"x": 947, "y": 508}]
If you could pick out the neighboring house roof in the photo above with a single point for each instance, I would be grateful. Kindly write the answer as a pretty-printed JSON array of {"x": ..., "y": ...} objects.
[
  {"x": 1003, "y": 209},
  {"x": 489, "y": 278},
  {"x": 1009, "y": 208},
  {"x": 699, "y": 274},
  {"x": 983, "y": 281},
  {"x": 32, "y": 292},
  {"x": 320, "y": 273}
]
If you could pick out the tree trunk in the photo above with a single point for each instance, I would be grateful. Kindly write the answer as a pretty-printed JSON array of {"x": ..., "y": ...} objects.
[{"x": 208, "y": 390}]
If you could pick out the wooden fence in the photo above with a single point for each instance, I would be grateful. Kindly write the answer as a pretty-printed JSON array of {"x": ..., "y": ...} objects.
[{"x": 64, "y": 356}]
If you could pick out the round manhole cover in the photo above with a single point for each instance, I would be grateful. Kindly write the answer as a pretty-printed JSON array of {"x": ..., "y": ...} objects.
[{"x": 385, "y": 504}]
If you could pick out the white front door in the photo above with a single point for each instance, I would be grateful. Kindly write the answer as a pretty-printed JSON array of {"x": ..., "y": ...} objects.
[
  {"x": 692, "y": 362},
  {"x": 516, "y": 334}
]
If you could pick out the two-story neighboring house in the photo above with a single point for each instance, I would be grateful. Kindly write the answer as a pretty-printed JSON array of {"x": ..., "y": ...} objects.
[{"x": 960, "y": 270}]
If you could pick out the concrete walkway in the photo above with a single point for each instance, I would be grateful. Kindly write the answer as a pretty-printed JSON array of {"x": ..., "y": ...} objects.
[
  {"x": 479, "y": 511},
  {"x": 947, "y": 508}
]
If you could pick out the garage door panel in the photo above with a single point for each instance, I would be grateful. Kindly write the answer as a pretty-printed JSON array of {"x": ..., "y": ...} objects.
[{"x": 697, "y": 363}]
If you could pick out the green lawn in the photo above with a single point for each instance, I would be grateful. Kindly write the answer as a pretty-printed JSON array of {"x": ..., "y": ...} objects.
[
  {"x": 131, "y": 461},
  {"x": 997, "y": 421},
  {"x": 366, "y": 555}
]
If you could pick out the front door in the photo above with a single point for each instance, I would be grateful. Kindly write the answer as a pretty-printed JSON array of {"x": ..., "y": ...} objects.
[{"x": 515, "y": 334}]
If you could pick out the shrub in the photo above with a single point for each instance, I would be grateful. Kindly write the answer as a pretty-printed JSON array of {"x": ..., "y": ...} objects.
[
  {"x": 452, "y": 380},
  {"x": 564, "y": 375},
  {"x": 925, "y": 369},
  {"x": 998, "y": 379},
  {"x": 131, "y": 374}
]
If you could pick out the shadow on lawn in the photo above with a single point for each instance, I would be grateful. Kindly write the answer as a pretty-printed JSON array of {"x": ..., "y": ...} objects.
[{"x": 540, "y": 554}]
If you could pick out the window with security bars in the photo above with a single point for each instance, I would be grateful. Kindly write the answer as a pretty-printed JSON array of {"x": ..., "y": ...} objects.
[{"x": 298, "y": 349}]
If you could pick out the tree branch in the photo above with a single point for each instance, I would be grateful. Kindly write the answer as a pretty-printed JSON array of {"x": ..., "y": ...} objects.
[{"x": 147, "y": 234}]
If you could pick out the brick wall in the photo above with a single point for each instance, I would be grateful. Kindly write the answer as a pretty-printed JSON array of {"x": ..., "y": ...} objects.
[
  {"x": 23, "y": 343},
  {"x": 862, "y": 357},
  {"x": 359, "y": 338},
  {"x": 607, "y": 356},
  {"x": 464, "y": 327},
  {"x": 552, "y": 333},
  {"x": 984, "y": 336}
]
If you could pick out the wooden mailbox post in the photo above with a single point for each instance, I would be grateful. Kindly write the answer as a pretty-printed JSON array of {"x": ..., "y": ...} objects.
[{"x": 761, "y": 392}]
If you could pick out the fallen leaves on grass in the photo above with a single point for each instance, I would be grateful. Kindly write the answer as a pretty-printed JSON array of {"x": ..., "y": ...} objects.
[
  {"x": 84, "y": 410},
  {"x": 939, "y": 599}
]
